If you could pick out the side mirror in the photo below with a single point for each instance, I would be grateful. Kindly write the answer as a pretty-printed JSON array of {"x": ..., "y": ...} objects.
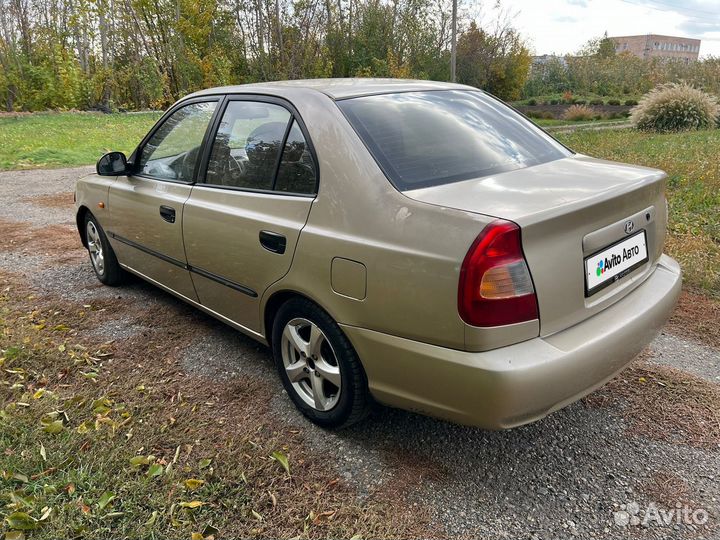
[{"x": 112, "y": 164}]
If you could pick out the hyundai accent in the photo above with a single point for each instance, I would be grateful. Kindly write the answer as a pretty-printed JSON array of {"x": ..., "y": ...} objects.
[{"x": 415, "y": 243}]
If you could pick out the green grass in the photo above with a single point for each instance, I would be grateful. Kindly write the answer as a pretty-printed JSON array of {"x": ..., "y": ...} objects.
[
  {"x": 68, "y": 139},
  {"x": 114, "y": 440},
  {"x": 693, "y": 189}
]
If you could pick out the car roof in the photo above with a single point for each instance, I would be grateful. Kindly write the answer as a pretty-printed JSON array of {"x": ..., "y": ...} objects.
[{"x": 336, "y": 88}]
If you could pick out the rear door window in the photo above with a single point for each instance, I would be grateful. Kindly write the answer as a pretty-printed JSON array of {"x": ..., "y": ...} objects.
[
  {"x": 422, "y": 139},
  {"x": 247, "y": 146}
]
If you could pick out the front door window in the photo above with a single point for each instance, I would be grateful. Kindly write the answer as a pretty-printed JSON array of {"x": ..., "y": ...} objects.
[{"x": 173, "y": 151}]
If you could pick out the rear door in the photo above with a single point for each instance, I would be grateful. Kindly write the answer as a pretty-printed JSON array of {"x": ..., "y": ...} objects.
[
  {"x": 146, "y": 208},
  {"x": 244, "y": 216}
]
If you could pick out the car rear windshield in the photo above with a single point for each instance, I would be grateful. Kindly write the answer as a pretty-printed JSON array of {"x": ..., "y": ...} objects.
[{"x": 422, "y": 139}]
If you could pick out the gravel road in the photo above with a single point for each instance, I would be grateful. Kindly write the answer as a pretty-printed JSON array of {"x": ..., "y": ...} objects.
[{"x": 570, "y": 475}]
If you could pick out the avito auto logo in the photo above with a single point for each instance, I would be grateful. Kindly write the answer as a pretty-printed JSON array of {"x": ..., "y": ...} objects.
[{"x": 606, "y": 264}]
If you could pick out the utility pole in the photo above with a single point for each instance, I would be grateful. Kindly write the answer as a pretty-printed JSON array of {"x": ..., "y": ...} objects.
[{"x": 453, "y": 45}]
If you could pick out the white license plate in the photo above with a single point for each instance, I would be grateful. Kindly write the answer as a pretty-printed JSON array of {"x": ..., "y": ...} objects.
[{"x": 614, "y": 262}]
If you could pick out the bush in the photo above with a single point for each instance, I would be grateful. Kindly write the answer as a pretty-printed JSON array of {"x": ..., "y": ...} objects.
[
  {"x": 630, "y": 102},
  {"x": 614, "y": 102},
  {"x": 579, "y": 102},
  {"x": 579, "y": 112},
  {"x": 567, "y": 96},
  {"x": 554, "y": 102},
  {"x": 547, "y": 115},
  {"x": 532, "y": 102},
  {"x": 534, "y": 114},
  {"x": 675, "y": 107},
  {"x": 597, "y": 102}
]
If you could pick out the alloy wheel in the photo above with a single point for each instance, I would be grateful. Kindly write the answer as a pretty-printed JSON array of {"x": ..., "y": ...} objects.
[
  {"x": 311, "y": 364},
  {"x": 95, "y": 248}
]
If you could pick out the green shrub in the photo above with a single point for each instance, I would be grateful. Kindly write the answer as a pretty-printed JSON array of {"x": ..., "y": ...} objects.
[
  {"x": 534, "y": 114},
  {"x": 579, "y": 112},
  {"x": 532, "y": 102},
  {"x": 597, "y": 102},
  {"x": 614, "y": 102},
  {"x": 631, "y": 102},
  {"x": 579, "y": 102},
  {"x": 554, "y": 102},
  {"x": 675, "y": 107}
]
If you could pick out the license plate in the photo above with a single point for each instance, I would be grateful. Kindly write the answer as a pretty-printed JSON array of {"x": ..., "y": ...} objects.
[{"x": 614, "y": 262}]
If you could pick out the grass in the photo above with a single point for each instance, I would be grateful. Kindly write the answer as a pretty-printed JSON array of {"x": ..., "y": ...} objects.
[
  {"x": 693, "y": 190},
  {"x": 666, "y": 404},
  {"x": 114, "y": 440},
  {"x": 68, "y": 139}
]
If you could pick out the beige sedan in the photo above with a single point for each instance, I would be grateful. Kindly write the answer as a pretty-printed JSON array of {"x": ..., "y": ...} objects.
[{"x": 416, "y": 243}]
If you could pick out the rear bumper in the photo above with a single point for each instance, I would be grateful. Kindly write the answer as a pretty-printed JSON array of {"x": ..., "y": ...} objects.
[{"x": 514, "y": 385}]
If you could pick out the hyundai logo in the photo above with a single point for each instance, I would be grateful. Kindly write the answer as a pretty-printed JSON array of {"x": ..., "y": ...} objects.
[{"x": 629, "y": 227}]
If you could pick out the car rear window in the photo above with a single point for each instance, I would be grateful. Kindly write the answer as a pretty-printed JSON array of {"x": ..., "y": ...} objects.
[{"x": 422, "y": 139}]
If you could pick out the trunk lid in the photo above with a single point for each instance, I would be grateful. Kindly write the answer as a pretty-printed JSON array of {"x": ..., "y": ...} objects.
[{"x": 568, "y": 209}]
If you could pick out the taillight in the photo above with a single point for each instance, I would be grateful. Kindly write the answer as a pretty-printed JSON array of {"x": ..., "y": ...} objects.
[{"x": 495, "y": 284}]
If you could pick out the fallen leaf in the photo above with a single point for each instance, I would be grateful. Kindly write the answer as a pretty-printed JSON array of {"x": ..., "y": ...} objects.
[
  {"x": 152, "y": 519},
  {"x": 139, "y": 461},
  {"x": 155, "y": 470},
  {"x": 14, "y": 535},
  {"x": 203, "y": 463},
  {"x": 105, "y": 499},
  {"x": 193, "y": 483},
  {"x": 53, "y": 427},
  {"x": 113, "y": 515},
  {"x": 20, "y": 477},
  {"x": 192, "y": 504},
  {"x": 282, "y": 460},
  {"x": 43, "y": 454},
  {"x": 21, "y": 521}
]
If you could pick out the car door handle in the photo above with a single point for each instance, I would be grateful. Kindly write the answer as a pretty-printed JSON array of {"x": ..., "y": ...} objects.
[
  {"x": 273, "y": 241},
  {"x": 167, "y": 213}
]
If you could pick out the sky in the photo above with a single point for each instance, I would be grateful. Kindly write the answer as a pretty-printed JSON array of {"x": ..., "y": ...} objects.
[{"x": 563, "y": 26}]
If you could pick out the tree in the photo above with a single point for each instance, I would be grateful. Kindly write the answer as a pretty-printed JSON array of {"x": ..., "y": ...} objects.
[{"x": 498, "y": 63}]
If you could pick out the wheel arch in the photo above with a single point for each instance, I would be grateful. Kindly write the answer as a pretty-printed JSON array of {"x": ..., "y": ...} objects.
[
  {"x": 276, "y": 300},
  {"x": 82, "y": 212}
]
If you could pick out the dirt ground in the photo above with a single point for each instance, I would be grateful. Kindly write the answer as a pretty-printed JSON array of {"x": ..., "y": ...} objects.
[{"x": 650, "y": 437}]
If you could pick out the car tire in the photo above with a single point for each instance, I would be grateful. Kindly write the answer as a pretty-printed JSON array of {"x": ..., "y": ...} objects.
[
  {"x": 299, "y": 324},
  {"x": 102, "y": 257}
]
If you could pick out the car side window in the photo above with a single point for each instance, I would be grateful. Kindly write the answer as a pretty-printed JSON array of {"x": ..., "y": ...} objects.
[
  {"x": 297, "y": 170},
  {"x": 173, "y": 150},
  {"x": 247, "y": 145}
]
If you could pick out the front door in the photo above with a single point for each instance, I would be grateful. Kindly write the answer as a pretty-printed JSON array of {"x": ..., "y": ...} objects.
[
  {"x": 146, "y": 209},
  {"x": 242, "y": 224}
]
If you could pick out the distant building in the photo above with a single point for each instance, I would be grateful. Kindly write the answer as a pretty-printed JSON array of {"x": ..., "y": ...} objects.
[{"x": 656, "y": 46}]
